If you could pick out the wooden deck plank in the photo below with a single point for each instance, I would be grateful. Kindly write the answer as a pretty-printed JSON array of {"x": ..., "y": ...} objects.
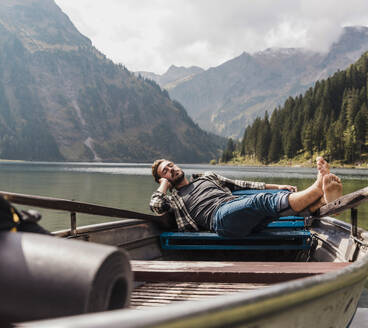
[
  {"x": 183, "y": 292},
  {"x": 205, "y": 284},
  {"x": 152, "y": 301},
  {"x": 255, "y": 272},
  {"x": 195, "y": 290},
  {"x": 173, "y": 297},
  {"x": 147, "y": 295}
]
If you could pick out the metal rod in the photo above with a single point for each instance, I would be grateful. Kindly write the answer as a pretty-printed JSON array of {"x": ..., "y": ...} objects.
[
  {"x": 73, "y": 223},
  {"x": 77, "y": 207},
  {"x": 354, "y": 222}
]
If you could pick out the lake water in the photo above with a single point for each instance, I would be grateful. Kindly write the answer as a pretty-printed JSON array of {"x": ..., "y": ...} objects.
[{"x": 129, "y": 186}]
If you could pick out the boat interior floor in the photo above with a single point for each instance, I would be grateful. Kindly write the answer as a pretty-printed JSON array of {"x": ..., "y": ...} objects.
[
  {"x": 160, "y": 283},
  {"x": 153, "y": 294}
]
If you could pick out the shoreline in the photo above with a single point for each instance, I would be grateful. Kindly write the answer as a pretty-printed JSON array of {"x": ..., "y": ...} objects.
[{"x": 301, "y": 164}]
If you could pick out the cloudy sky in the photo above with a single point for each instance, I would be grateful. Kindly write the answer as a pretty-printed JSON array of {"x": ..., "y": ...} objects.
[{"x": 151, "y": 35}]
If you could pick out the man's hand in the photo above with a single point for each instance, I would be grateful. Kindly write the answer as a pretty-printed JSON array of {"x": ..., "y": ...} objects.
[
  {"x": 287, "y": 187},
  {"x": 164, "y": 185}
]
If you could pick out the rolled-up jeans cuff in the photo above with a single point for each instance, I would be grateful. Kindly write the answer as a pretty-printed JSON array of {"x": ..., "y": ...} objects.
[
  {"x": 283, "y": 202},
  {"x": 284, "y": 208}
]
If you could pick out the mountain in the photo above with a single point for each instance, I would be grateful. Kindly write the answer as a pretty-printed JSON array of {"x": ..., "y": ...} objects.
[
  {"x": 226, "y": 98},
  {"x": 173, "y": 76},
  {"x": 61, "y": 99},
  {"x": 330, "y": 119}
]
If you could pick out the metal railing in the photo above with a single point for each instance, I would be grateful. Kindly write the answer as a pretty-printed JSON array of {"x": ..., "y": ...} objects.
[{"x": 74, "y": 207}]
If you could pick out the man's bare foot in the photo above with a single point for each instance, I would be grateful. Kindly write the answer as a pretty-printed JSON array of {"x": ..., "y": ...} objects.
[
  {"x": 323, "y": 168},
  {"x": 332, "y": 187},
  {"x": 317, "y": 204},
  {"x": 317, "y": 194}
]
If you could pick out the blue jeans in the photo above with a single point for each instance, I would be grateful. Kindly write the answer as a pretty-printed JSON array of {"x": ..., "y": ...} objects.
[{"x": 238, "y": 217}]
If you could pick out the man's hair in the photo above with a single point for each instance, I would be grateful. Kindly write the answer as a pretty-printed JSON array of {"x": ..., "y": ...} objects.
[{"x": 155, "y": 166}]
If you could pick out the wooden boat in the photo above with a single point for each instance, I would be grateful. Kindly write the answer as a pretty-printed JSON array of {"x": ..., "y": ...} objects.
[{"x": 319, "y": 286}]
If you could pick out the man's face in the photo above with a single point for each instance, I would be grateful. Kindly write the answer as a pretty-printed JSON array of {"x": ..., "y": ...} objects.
[{"x": 173, "y": 173}]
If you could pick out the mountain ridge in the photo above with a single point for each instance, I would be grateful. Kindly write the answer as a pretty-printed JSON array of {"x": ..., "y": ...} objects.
[
  {"x": 226, "y": 98},
  {"x": 62, "y": 99},
  {"x": 173, "y": 76}
]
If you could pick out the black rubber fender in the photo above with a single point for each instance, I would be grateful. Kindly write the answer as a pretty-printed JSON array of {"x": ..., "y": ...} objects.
[{"x": 46, "y": 277}]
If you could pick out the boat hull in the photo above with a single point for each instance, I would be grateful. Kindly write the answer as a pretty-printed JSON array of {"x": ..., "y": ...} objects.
[
  {"x": 327, "y": 300},
  {"x": 324, "y": 300}
]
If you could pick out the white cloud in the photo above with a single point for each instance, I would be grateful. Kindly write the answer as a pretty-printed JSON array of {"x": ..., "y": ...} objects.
[
  {"x": 153, "y": 34},
  {"x": 287, "y": 33}
]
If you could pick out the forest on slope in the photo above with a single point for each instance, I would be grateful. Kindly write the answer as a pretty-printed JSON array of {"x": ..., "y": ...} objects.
[{"x": 329, "y": 119}]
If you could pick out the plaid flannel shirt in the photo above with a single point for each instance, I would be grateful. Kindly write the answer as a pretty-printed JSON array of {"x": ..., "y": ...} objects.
[{"x": 162, "y": 203}]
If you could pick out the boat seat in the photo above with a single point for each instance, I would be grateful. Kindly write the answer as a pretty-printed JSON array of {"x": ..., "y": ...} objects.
[
  {"x": 272, "y": 239},
  {"x": 287, "y": 222}
]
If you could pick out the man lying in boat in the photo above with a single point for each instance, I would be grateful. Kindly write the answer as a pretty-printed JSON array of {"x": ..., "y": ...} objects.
[{"x": 207, "y": 204}]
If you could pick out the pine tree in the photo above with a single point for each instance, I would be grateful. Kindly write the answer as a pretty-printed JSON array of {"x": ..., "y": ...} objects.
[
  {"x": 228, "y": 153},
  {"x": 244, "y": 144},
  {"x": 307, "y": 137},
  {"x": 350, "y": 144},
  {"x": 274, "y": 153},
  {"x": 360, "y": 123},
  {"x": 263, "y": 140},
  {"x": 352, "y": 106}
]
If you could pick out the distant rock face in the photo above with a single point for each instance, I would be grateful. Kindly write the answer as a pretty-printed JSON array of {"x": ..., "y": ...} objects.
[
  {"x": 226, "y": 98},
  {"x": 173, "y": 76},
  {"x": 61, "y": 99}
]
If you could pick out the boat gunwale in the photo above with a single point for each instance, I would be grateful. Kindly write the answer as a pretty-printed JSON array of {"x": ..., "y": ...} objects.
[{"x": 101, "y": 227}]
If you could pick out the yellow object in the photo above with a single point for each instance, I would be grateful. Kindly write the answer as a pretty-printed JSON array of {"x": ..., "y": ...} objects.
[
  {"x": 15, "y": 219},
  {"x": 15, "y": 216}
]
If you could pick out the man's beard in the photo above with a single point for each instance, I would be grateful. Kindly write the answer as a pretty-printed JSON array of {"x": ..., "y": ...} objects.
[{"x": 178, "y": 179}]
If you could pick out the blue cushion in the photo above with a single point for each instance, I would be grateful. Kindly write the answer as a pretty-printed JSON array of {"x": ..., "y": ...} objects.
[{"x": 264, "y": 240}]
